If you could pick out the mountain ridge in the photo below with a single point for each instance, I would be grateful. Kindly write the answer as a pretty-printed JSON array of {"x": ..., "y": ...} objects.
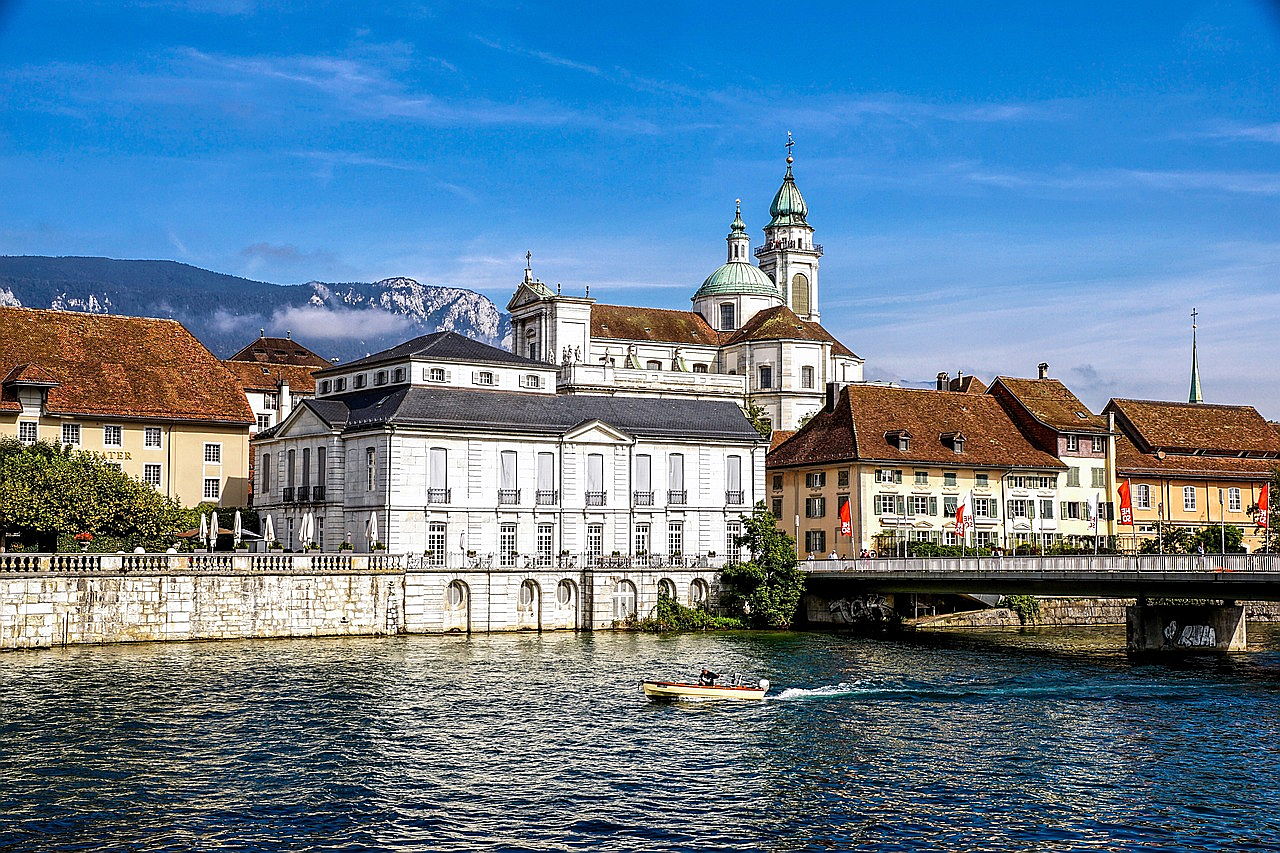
[{"x": 341, "y": 320}]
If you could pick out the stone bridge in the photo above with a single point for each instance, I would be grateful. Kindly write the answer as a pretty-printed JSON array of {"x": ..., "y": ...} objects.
[{"x": 1205, "y": 627}]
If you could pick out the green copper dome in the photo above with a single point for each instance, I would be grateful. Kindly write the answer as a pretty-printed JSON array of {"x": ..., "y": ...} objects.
[
  {"x": 737, "y": 277},
  {"x": 788, "y": 206}
]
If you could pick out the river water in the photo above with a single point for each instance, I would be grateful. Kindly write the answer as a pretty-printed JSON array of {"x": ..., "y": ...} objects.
[{"x": 1047, "y": 741}]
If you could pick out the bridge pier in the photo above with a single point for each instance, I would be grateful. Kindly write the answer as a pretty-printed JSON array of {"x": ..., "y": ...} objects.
[{"x": 1186, "y": 628}]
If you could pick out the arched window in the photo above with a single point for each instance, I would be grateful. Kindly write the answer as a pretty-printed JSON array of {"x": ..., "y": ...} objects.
[
  {"x": 800, "y": 294},
  {"x": 699, "y": 368},
  {"x": 529, "y": 595},
  {"x": 455, "y": 596},
  {"x": 667, "y": 589},
  {"x": 624, "y": 600},
  {"x": 698, "y": 592},
  {"x": 727, "y": 319},
  {"x": 565, "y": 593}
]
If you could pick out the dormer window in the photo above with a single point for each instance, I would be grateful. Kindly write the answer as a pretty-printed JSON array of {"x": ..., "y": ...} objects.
[
  {"x": 954, "y": 440},
  {"x": 532, "y": 380},
  {"x": 380, "y": 378},
  {"x": 359, "y": 381},
  {"x": 484, "y": 377},
  {"x": 436, "y": 374},
  {"x": 340, "y": 384},
  {"x": 900, "y": 439},
  {"x": 397, "y": 375},
  {"x": 325, "y": 385}
]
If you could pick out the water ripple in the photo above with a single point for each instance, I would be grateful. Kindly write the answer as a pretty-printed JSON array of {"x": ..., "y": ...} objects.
[{"x": 1048, "y": 741}]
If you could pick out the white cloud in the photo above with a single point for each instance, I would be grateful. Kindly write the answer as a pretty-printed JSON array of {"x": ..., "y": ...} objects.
[{"x": 333, "y": 324}]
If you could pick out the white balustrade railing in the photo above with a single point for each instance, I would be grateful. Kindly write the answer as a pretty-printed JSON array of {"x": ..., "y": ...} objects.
[{"x": 17, "y": 563}]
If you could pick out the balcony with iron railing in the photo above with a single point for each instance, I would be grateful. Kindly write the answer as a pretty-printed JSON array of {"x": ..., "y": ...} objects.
[
  {"x": 317, "y": 494},
  {"x": 677, "y": 497},
  {"x": 774, "y": 245},
  {"x": 546, "y": 497},
  {"x": 642, "y": 498},
  {"x": 508, "y": 496},
  {"x": 734, "y": 498},
  {"x": 596, "y": 498},
  {"x": 439, "y": 496},
  {"x": 286, "y": 495}
]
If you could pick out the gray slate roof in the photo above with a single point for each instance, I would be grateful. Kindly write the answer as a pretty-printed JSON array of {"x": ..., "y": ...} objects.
[
  {"x": 444, "y": 346},
  {"x": 466, "y": 410}
]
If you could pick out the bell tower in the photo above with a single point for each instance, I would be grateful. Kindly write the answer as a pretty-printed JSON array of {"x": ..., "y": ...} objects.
[{"x": 789, "y": 256}]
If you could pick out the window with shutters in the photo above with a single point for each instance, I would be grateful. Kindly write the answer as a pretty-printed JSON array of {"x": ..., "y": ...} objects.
[
  {"x": 949, "y": 478},
  {"x": 484, "y": 377},
  {"x": 776, "y": 507},
  {"x": 380, "y": 378},
  {"x": 1099, "y": 477},
  {"x": 436, "y": 374},
  {"x": 815, "y": 507},
  {"x": 398, "y": 375},
  {"x": 1046, "y": 509},
  {"x": 815, "y": 479},
  {"x": 800, "y": 294},
  {"x": 949, "y": 506},
  {"x": 887, "y": 475},
  {"x": 1073, "y": 476},
  {"x": 842, "y": 478},
  {"x": 922, "y": 478},
  {"x": 919, "y": 505},
  {"x": 981, "y": 480},
  {"x": 815, "y": 542},
  {"x": 291, "y": 460},
  {"x": 359, "y": 381}
]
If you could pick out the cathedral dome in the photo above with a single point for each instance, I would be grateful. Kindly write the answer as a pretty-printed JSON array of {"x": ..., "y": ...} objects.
[{"x": 737, "y": 277}]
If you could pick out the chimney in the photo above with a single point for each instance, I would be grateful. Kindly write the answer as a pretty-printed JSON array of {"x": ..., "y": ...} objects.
[
  {"x": 284, "y": 403},
  {"x": 1043, "y": 368},
  {"x": 833, "y": 392},
  {"x": 944, "y": 381}
]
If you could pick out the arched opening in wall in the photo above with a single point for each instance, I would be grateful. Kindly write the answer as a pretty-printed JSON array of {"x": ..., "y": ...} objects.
[
  {"x": 699, "y": 593},
  {"x": 667, "y": 589},
  {"x": 567, "y": 605},
  {"x": 624, "y": 601},
  {"x": 529, "y": 607},
  {"x": 800, "y": 293},
  {"x": 457, "y": 607}
]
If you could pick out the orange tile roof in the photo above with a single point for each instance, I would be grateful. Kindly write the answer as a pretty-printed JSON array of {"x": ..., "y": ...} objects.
[
  {"x": 781, "y": 323},
  {"x": 968, "y": 385},
  {"x": 623, "y": 322},
  {"x": 279, "y": 351},
  {"x": 264, "y": 376},
  {"x": 1131, "y": 462},
  {"x": 114, "y": 366},
  {"x": 1053, "y": 404},
  {"x": 857, "y": 428},
  {"x": 779, "y": 436},
  {"x": 1153, "y": 424}
]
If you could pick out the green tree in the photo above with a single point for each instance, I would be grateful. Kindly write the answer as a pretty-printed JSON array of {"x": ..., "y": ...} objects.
[
  {"x": 1211, "y": 536},
  {"x": 766, "y": 589},
  {"x": 758, "y": 416},
  {"x": 49, "y": 493},
  {"x": 1172, "y": 540}
]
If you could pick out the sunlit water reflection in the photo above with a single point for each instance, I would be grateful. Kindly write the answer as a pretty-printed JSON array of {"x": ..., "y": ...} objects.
[{"x": 1050, "y": 740}]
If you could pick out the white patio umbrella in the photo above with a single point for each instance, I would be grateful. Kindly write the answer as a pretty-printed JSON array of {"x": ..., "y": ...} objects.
[
  {"x": 213, "y": 529},
  {"x": 204, "y": 528},
  {"x": 269, "y": 531},
  {"x": 238, "y": 529},
  {"x": 371, "y": 530},
  {"x": 308, "y": 529}
]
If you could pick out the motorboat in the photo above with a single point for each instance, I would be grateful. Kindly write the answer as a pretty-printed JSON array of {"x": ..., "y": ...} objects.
[{"x": 672, "y": 690}]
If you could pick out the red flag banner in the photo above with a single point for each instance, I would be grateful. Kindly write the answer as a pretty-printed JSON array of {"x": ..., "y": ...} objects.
[
  {"x": 1126, "y": 504},
  {"x": 1264, "y": 505},
  {"x": 846, "y": 524}
]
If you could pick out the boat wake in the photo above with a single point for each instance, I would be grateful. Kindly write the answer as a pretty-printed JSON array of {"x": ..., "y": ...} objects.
[
  {"x": 844, "y": 688},
  {"x": 873, "y": 689}
]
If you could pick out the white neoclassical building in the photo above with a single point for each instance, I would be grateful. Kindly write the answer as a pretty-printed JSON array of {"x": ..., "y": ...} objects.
[
  {"x": 465, "y": 453},
  {"x": 752, "y": 335}
]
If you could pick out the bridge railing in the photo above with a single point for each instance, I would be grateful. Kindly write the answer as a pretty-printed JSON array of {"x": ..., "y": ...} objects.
[{"x": 1081, "y": 564}]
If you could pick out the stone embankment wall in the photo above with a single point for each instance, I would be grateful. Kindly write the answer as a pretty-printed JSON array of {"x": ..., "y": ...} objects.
[
  {"x": 1065, "y": 612},
  {"x": 56, "y": 600}
]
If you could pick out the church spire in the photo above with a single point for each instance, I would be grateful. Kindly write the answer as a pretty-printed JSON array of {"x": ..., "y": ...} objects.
[
  {"x": 1195, "y": 396},
  {"x": 739, "y": 242},
  {"x": 788, "y": 206}
]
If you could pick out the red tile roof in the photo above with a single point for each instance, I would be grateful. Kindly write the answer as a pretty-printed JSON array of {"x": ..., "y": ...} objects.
[
  {"x": 968, "y": 385},
  {"x": 1053, "y": 404},
  {"x": 279, "y": 351},
  {"x": 30, "y": 374},
  {"x": 623, "y": 322},
  {"x": 781, "y": 323},
  {"x": 1153, "y": 424},
  {"x": 865, "y": 414},
  {"x": 263, "y": 376},
  {"x": 1131, "y": 462},
  {"x": 113, "y": 366},
  {"x": 779, "y": 436}
]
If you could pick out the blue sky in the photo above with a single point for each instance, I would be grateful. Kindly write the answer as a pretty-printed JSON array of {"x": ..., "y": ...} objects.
[{"x": 994, "y": 184}]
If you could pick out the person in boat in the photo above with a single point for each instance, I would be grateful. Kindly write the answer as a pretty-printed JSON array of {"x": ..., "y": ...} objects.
[{"x": 707, "y": 678}]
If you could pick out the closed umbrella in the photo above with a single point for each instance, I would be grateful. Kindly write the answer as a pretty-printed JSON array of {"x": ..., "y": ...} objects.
[
  {"x": 308, "y": 529},
  {"x": 269, "y": 531},
  {"x": 204, "y": 528},
  {"x": 372, "y": 530},
  {"x": 213, "y": 529},
  {"x": 238, "y": 529}
]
